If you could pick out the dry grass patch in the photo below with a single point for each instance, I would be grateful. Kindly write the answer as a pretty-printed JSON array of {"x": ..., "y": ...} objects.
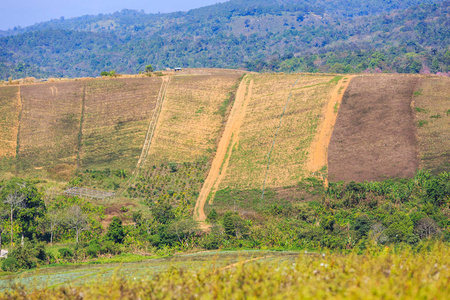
[
  {"x": 49, "y": 125},
  {"x": 9, "y": 120},
  {"x": 432, "y": 108},
  {"x": 191, "y": 117},
  {"x": 116, "y": 116},
  {"x": 247, "y": 166}
]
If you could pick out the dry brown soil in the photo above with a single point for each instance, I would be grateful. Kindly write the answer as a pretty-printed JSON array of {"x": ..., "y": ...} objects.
[{"x": 375, "y": 136}]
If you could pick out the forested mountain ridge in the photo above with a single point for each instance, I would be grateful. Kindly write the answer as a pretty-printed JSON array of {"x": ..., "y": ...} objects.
[{"x": 337, "y": 35}]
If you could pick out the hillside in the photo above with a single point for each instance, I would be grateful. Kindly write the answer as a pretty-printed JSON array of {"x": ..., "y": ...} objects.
[
  {"x": 205, "y": 159},
  {"x": 202, "y": 137},
  {"x": 290, "y": 36}
]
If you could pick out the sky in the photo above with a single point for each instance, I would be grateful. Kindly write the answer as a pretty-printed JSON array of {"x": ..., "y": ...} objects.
[{"x": 28, "y": 12}]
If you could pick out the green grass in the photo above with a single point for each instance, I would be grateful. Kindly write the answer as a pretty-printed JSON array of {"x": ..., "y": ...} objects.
[
  {"x": 418, "y": 109},
  {"x": 418, "y": 93},
  {"x": 422, "y": 123}
]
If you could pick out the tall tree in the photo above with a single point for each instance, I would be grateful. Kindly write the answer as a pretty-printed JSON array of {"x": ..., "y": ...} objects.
[
  {"x": 77, "y": 220},
  {"x": 14, "y": 201}
]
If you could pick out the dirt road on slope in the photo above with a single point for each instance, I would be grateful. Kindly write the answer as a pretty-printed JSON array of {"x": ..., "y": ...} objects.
[
  {"x": 226, "y": 144},
  {"x": 319, "y": 148}
]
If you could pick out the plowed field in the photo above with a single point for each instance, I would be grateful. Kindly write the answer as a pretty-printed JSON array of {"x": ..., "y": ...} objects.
[{"x": 375, "y": 135}]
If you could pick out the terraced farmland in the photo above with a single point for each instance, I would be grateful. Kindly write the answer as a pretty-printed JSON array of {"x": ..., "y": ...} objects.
[{"x": 388, "y": 126}]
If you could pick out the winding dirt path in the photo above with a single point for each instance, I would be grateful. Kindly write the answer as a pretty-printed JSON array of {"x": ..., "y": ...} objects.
[
  {"x": 319, "y": 148},
  {"x": 226, "y": 144}
]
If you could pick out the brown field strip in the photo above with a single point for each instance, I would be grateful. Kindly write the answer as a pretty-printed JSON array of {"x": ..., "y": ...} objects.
[
  {"x": 432, "y": 109},
  {"x": 49, "y": 126},
  {"x": 10, "y": 107},
  {"x": 228, "y": 140},
  {"x": 248, "y": 162},
  {"x": 190, "y": 118},
  {"x": 375, "y": 136},
  {"x": 117, "y": 112}
]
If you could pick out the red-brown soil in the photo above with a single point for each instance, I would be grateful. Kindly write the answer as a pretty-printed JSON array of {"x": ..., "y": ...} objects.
[{"x": 375, "y": 135}]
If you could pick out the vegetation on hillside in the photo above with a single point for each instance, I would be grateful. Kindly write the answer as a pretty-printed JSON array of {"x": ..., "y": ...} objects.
[
  {"x": 336, "y": 36},
  {"x": 340, "y": 217}
]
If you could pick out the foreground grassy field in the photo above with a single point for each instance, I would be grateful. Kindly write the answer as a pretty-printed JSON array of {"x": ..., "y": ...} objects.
[{"x": 375, "y": 274}]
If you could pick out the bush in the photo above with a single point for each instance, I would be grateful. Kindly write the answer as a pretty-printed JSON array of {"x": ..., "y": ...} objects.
[
  {"x": 93, "y": 250},
  {"x": 10, "y": 265},
  {"x": 66, "y": 253},
  {"x": 115, "y": 231}
]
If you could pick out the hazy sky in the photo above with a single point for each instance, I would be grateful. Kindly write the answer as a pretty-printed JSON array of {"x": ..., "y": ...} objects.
[{"x": 28, "y": 12}]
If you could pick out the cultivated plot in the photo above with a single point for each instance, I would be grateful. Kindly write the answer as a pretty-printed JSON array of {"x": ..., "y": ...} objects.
[
  {"x": 432, "y": 108},
  {"x": 117, "y": 113},
  {"x": 9, "y": 120},
  {"x": 49, "y": 126},
  {"x": 191, "y": 118},
  {"x": 288, "y": 158},
  {"x": 375, "y": 136}
]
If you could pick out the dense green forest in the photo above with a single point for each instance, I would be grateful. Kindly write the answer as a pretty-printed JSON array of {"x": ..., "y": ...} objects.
[{"x": 314, "y": 36}]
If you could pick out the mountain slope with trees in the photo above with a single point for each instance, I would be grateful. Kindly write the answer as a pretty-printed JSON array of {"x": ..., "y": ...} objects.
[{"x": 337, "y": 36}]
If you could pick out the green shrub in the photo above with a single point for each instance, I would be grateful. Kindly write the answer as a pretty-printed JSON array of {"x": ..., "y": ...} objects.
[
  {"x": 93, "y": 250},
  {"x": 10, "y": 265},
  {"x": 66, "y": 252},
  {"x": 115, "y": 231},
  {"x": 212, "y": 215}
]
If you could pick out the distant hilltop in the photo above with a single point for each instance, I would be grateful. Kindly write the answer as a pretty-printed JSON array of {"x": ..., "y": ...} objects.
[{"x": 288, "y": 36}]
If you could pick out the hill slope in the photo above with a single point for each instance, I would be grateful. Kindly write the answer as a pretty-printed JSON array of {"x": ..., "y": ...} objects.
[
  {"x": 340, "y": 35},
  {"x": 220, "y": 139}
]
